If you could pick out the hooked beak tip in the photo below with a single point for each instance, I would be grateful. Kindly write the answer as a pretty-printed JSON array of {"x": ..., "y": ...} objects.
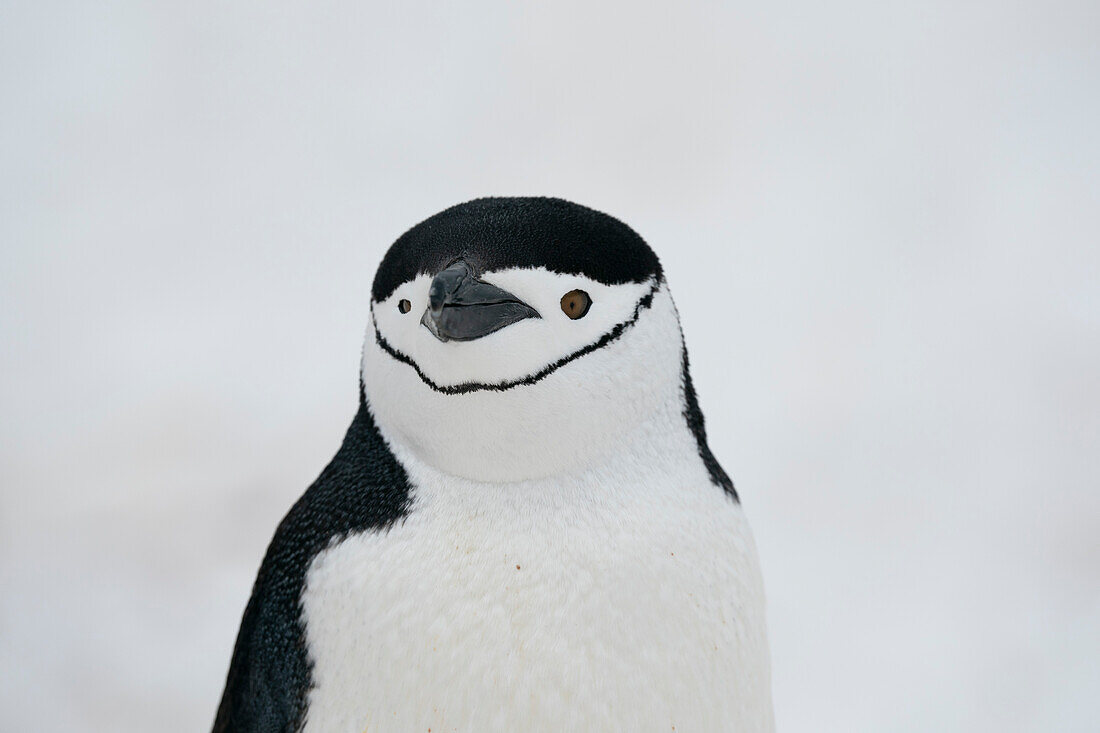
[{"x": 430, "y": 320}]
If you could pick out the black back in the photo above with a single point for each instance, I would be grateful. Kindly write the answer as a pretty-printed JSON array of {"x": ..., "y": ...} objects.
[
  {"x": 697, "y": 425},
  {"x": 364, "y": 487},
  {"x": 495, "y": 233}
]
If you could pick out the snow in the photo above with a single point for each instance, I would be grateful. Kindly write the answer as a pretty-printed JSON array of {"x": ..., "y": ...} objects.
[{"x": 880, "y": 224}]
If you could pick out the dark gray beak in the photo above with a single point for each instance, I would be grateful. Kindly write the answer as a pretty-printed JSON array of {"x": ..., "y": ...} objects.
[{"x": 463, "y": 308}]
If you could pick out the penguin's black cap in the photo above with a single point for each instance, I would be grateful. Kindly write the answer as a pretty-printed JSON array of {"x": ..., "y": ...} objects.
[{"x": 498, "y": 233}]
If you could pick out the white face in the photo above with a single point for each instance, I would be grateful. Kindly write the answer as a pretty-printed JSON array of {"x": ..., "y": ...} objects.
[
  {"x": 519, "y": 350},
  {"x": 540, "y": 396}
]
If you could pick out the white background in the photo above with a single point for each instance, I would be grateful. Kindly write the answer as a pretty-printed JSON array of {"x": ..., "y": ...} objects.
[{"x": 880, "y": 221}]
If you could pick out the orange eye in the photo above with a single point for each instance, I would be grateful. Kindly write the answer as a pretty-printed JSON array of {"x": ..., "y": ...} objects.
[
  {"x": 404, "y": 306},
  {"x": 575, "y": 304}
]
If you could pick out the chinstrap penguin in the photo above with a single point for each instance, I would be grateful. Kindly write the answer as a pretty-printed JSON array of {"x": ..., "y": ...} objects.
[{"x": 524, "y": 528}]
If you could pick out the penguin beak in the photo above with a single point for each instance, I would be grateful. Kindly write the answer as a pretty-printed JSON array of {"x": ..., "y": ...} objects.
[{"x": 463, "y": 308}]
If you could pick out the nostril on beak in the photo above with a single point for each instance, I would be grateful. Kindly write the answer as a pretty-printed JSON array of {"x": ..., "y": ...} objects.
[
  {"x": 437, "y": 296},
  {"x": 444, "y": 285}
]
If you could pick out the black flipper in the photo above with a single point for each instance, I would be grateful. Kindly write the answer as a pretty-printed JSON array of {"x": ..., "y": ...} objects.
[{"x": 364, "y": 487}]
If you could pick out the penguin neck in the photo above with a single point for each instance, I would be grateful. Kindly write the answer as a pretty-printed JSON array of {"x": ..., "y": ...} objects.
[{"x": 661, "y": 447}]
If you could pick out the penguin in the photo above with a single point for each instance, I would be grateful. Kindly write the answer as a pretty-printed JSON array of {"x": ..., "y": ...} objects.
[{"x": 524, "y": 528}]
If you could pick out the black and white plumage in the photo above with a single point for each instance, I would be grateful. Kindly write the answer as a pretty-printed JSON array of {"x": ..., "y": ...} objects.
[{"x": 525, "y": 527}]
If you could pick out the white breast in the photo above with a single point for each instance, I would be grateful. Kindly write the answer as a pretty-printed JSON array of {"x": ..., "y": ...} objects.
[{"x": 626, "y": 598}]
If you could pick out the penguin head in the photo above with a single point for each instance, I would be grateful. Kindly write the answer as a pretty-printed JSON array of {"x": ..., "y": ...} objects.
[{"x": 517, "y": 338}]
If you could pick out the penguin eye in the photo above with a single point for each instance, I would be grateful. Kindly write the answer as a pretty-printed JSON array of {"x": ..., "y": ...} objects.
[
  {"x": 575, "y": 304},
  {"x": 404, "y": 306}
]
